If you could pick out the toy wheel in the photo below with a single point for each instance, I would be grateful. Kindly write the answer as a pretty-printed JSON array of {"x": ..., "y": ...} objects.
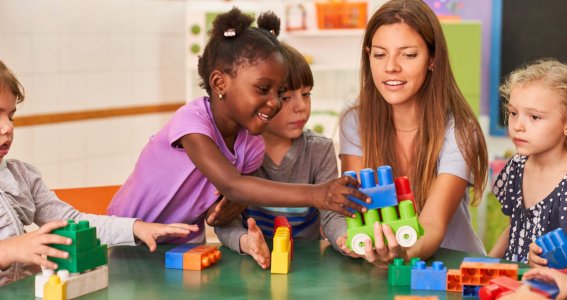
[
  {"x": 406, "y": 236},
  {"x": 358, "y": 242}
]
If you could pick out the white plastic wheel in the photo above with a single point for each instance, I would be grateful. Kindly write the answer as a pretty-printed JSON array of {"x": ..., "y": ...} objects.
[
  {"x": 357, "y": 243},
  {"x": 406, "y": 236}
]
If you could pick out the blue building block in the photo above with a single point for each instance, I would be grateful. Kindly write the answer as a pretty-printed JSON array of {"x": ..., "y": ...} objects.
[
  {"x": 471, "y": 290},
  {"x": 382, "y": 194},
  {"x": 554, "y": 245},
  {"x": 174, "y": 257},
  {"x": 484, "y": 260},
  {"x": 550, "y": 289},
  {"x": 432, "y": 278}
]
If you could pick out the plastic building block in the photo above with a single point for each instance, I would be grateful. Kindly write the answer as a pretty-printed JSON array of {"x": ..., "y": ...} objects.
[
  {"x": 498, "y": 287},
  {"x": 403, "y": 190},
  {"x": 471, "y": 290},
  {"x": 485, "y": 260},
  {"x": 454, "y": 281},
  {"x": 382, "y": 194},
  {"x": 478, "y": 273},
  {"x": 547, "y": 289},
  {"x": 416, "y": 298},
  {"x": 405, "y": 226},
  {"x": 429, "y": 278},
  {"x": 174, "y": 257},
  {"x": 200, "y": 257},
  {"x": 399, "y": 273},
  {"x": 76, "y": 284},
  {"x": 282, "y": 221},
  {"x": 554, "y": 245},
  {"x": 521, "y": 272},
  {"x": 281, "y": 253},
  {"x": 54, "y": 289},
  {"x": 85, "y": 252}
]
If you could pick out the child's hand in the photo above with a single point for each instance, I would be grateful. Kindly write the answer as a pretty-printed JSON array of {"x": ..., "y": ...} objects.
[
  {"x": 223, "y": 211},
  {"x": 335, "y": 196},
  {"x": 151, "y": 233},
  {"x": 33, "y": 247},
  {"x": 552, "y": 276},
  {"x": 341, "y": 242},
  {"x": 381, "y": 254},
  {"x": 254, "y": 244},
  {"x": 534, "y": 259}
]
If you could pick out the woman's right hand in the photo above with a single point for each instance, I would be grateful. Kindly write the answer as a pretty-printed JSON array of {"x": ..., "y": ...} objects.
[
  {"x": 335, "y": 196},
  {"x": 534, "y": 258},
  {"x": 34, "y": 247}
]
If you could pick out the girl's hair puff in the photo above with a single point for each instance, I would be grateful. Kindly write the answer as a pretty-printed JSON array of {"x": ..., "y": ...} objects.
[
  {"x": 548, "y": 72},
  {"x": 299, "y": 73},
  {"x": 9, "y": 81},
  {"x": 233, "y": 42}
]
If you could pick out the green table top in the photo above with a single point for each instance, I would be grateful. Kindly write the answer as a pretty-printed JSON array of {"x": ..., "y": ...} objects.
[{"x": 317, "y": 271}]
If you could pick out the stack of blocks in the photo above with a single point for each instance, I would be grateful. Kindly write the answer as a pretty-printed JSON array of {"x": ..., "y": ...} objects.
[
  {"x": 554, "y": 246},
  {"x": 477, "y": 272},
  {"x": 384, "y": 208},
  {"x": 86, "y": 256},
  {"x": 192, "y": 257},
  {"x": 282, "y": 251}
]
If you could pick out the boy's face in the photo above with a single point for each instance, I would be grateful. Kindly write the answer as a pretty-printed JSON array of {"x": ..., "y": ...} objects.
[
  {"x": 535, "y": 121},
  {"x": 295, "y": 112},
  {"x": 7, "y": 111}
]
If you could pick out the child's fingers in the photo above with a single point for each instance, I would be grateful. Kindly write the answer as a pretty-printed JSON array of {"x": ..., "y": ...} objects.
[
  {"x": 535, "y": 261},
  {"x": 42, "y": 261},
  {"x": 52, "y": 252},
  {"x": 187, "y": 227},
  {"x": 535, "y": 248},
  {"x": 50, "y": 226},
  {"x": 54, "y": 239}
]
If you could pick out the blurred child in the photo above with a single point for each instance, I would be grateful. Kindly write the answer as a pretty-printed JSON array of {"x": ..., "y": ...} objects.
[
  {"x": 25, "y": 199},
  {"x": 532, "y": 187},
  {"x": 293, "y": 155},
  {"x": 212, "y": 143}
]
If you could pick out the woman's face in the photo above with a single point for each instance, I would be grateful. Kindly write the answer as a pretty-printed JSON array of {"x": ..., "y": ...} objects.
[{"x": 399, "y": 61}]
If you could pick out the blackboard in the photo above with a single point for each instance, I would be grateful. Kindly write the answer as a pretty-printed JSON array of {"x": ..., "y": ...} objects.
[{"x": 523, "y": 31}]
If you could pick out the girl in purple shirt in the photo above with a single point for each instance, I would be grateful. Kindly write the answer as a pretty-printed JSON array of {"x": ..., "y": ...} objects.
[{"x": 212, "y": 142}]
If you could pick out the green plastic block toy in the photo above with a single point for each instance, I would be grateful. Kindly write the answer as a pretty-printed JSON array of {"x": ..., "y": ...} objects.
[
  {"x": 399, "y": 273},
  {"x": 85, "y": 252}
]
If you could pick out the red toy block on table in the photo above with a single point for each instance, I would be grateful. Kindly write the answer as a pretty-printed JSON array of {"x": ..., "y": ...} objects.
[
  {"x": 200, "y": 257},
  {"x": 498, "y": 287}
]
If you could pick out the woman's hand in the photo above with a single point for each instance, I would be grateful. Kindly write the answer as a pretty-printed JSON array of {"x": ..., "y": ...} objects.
[
  {"x": 534, "y": 258},
  {"x": 381, "y": 254}
]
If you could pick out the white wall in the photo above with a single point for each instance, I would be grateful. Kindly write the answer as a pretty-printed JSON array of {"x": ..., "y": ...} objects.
[{"x": 87, "y": 54}]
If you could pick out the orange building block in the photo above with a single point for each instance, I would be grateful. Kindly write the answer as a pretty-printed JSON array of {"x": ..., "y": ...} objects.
[
  {"x": 200, "y": 257},
  {"x": 473, "y": 273},
  {"x": 416, "y": 298},
  {"x": 454, "y": 281}
]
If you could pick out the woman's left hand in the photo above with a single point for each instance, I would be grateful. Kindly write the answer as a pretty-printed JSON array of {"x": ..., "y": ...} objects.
[{"x": 381, "y": 254}]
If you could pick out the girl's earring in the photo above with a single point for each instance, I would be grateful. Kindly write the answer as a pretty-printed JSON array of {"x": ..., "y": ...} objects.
[{"x": 220, "y": 96}]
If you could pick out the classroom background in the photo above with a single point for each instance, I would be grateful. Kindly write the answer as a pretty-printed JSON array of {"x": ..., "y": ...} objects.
[{"x": 101, "y": 76}]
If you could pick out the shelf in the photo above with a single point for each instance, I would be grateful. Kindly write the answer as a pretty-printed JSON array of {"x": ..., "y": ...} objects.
[{"x": 326, "y": 33}]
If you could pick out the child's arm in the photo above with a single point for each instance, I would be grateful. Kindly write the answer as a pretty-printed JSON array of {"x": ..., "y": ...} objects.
[
  {"x": 33, "y": 247},
  {"x": 204, "y": 153},
  {"x": 501, "y": 244},
  {"x": 223, "y": 211}
]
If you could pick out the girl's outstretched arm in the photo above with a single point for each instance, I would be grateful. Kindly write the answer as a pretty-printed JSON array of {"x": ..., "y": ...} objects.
[
  {"x": 206, "y": 156},
  {"x": 501, "y": 244}
]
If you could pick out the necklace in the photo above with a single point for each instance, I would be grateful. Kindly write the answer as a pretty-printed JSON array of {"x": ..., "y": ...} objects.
[{"x": 411, "y": 130}]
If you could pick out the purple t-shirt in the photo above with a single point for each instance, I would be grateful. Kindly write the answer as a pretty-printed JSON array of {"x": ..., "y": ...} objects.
[{"x": 165, "y": 186}]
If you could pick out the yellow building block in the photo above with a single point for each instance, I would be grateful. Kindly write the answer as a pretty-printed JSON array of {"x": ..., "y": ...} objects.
[
  {"x": 281, "y": 253},
  {"x": 54, "y": 289}
]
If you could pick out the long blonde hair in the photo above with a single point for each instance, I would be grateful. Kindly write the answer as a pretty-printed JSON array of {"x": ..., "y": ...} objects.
[{"x": 439, "y": 100}]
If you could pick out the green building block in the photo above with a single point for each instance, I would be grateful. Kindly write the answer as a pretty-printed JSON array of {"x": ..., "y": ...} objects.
[
  {"x": 406, "y": 226},
  {"x": 521, "y": 272},
  {"x": 85, "y": 252},
  {"x": 399, "y": 273}
]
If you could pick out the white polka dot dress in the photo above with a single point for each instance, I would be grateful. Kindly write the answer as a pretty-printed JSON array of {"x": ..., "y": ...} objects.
[{"x": 527, "y": 224}]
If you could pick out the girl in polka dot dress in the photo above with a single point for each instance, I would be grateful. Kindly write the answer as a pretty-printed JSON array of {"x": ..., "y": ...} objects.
[{"x": 532, "y": 187}]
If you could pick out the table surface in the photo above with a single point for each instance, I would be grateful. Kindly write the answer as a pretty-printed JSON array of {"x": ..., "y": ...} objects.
[{"x": 317, "y": 270}]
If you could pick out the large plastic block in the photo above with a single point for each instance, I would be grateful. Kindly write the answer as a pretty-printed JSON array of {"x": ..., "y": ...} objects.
[
  {"x": 54, "y": 289},
  {"x": 485, "y": 260},
  {"x": 403, "y": 190},
  {"x": 85, "y": 260},
  {"x": 399, "y": 272},
  {"x": 498, "y": 287},
  {"x": 200, "y": 257},
  {"x": 454, "y": 281},
  {"x": 83, "y": 236},
  {"x": 471, "y": 290},
  {"x": 77, "y": 284},
  {"x": 174, "y": 257},
  {"x": 281, "y": 253},
  {"x": 280, "y": 221},
  {"x": 476, "y": 273},
  {"x": 554, "y": 246},
  {"x": 429, "y": 278},
  {"x": 382, "y": 194},
  {"x": 543, "y": 288}
]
